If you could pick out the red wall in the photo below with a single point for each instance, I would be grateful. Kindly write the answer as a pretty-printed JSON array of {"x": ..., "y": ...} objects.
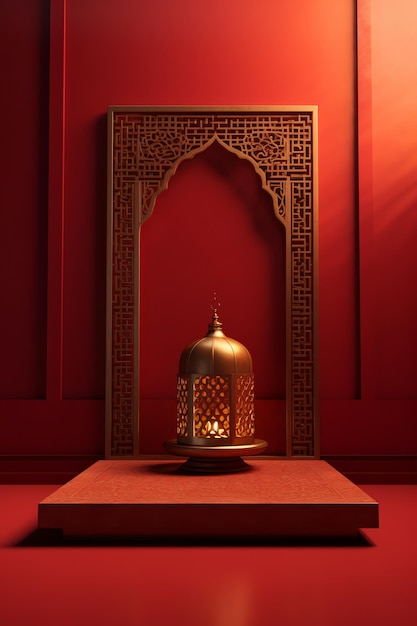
[{"x": 171, "y": 52}]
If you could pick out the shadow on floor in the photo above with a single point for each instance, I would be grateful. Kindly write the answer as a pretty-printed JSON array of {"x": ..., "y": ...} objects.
[{"x": 42, "y": 538}]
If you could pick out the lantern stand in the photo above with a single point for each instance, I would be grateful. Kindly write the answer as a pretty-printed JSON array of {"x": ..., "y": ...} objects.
[{"x": 215, "y": 404}]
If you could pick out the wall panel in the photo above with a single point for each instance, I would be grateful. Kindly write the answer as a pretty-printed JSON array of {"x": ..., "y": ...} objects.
[
  {"x": 395, "y": 197},
  {"x": 24, "y": 50},
  {"x": 251, "y": 60}
]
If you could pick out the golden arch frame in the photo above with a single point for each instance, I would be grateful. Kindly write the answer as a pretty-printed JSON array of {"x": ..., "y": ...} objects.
[{"x": 145, "y": 147}]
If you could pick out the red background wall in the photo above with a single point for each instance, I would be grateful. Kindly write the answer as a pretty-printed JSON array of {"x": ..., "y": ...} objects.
[{"x": 63, "y": 63}]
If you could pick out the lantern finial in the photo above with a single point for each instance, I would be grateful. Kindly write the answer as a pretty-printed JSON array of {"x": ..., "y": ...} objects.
[
  {"x": 215, "y": 322},
  {"x": 215, "y": 304}
]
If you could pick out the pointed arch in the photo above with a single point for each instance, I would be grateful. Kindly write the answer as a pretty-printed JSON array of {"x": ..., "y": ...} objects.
[{"x": 278, "y": 200}]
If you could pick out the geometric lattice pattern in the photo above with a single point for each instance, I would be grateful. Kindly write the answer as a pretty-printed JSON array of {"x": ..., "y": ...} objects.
[
  {"x": 146, "y": 147},
  {"x": 245, "y": 413},
  {"x": 182, "y": 406},
  {"x": 211, "y": 396}
]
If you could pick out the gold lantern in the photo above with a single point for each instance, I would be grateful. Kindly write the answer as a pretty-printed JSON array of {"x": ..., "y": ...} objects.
[{"x": 215, "y": 403}]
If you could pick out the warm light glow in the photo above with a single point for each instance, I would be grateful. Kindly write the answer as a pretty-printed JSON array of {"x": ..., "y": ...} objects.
[{"x": 214, "y": 429}]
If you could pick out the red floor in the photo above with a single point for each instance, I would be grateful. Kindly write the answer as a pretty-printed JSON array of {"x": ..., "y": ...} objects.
[{"x": 335, "y": 585}]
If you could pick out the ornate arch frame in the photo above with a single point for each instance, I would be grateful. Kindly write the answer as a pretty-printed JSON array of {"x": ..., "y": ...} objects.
[{"x": 145, "y": 147}]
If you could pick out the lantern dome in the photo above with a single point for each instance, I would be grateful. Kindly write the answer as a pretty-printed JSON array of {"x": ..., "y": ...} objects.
[{"x": 215, "y": 353}]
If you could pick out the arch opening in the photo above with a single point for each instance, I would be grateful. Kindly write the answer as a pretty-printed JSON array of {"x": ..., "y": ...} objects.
[
  {"x": 278, "y": 200},
  {"x": 218, "y": 230}
]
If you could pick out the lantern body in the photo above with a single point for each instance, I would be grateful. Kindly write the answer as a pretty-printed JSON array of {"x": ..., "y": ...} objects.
[{"x": 215, "y": 392}]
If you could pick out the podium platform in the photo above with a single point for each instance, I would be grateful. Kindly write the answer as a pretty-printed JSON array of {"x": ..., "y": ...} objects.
[{"x": 152, "y": 498}]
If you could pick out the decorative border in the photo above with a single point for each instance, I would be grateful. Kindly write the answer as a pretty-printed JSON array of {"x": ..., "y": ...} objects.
[{"x": 146, "y": 146}]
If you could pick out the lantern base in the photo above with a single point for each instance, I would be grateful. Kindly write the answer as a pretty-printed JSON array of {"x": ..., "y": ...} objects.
[{"x": 214, "y": 459}]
